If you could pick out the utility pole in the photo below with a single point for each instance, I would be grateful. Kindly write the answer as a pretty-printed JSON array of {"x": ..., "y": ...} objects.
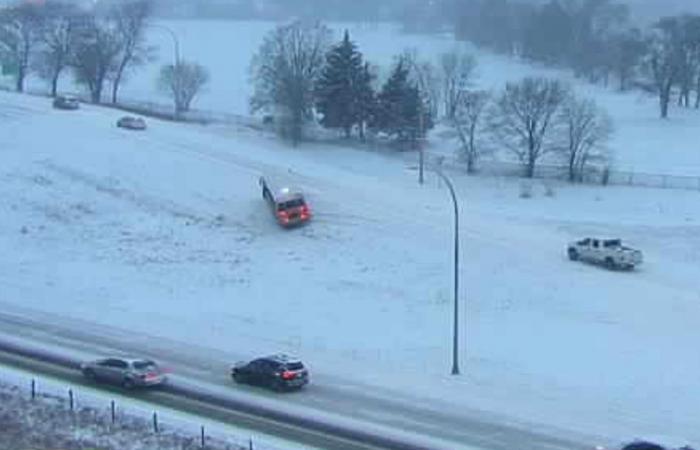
[
  {"x": 419, "y": 140},
  {"x": 455, "y": 317}
]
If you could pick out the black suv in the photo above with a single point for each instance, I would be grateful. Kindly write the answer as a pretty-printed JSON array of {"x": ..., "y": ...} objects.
[{"x": 279, "y": 372}]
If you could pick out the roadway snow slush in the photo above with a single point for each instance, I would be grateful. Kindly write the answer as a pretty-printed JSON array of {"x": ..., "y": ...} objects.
[
  {"x": 346, "y": 432},
  {"x": 199, "y": 379},
  {"x": 176, "y": 429},
  {"x": 162, "y": 239}
]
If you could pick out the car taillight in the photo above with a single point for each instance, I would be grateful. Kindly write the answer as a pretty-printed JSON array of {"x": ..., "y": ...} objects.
[{"x": 287, "y": 375}]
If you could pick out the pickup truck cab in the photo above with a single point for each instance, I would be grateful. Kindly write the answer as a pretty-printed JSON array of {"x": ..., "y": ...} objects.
[
  {"x": 608, "y": 252},
  {"x": 287, "y": 204}
]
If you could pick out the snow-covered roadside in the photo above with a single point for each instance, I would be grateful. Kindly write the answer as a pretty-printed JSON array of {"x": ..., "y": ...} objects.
[
  {"x": 48, "y": 423},
  {"x": 164, "y": 233}
]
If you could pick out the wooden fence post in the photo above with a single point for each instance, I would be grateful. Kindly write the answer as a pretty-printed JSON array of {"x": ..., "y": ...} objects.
[{"x": 71, "y": 400}]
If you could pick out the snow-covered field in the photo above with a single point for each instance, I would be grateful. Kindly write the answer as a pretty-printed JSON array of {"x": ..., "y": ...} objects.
[
  {"x": 164, "y": 233},
  {"x": 642, "y": 142}
]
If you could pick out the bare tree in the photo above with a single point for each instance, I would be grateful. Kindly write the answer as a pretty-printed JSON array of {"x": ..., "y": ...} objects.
[
  {"x": 424, "y": 75},
  {"x": 523, "y": 116},
  {"x": 627, "y": 50},
  {"x": 131, "y": 20},
  {"x": 689, "y": 58},
  {"x": 96, "y": 53},
  {"x": 285, "y": 71},
  {"x": 183, "y": 81},
  {"x": 586, "y": 129},
  {"x": 665, "y": 59},
  {"x": 467, "y": 120},
  {"x": 20, "y": 27},
  {"x": 457, "y": 71},
  {"x": 56, "y": 38}
]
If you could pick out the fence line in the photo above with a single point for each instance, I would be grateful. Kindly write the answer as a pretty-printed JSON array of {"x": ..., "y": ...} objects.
[
  {"x": 591, "y": 175},
  {"x": 178, "y": 432}
]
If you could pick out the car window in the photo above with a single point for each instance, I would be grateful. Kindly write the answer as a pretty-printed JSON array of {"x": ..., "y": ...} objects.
[
  {"x": 257, "y": 364},
  {"x": 296, "y": 203},
  {"x": 294, "y": 366},
  {"x": 115, "y": 363},
  {"x": 144, "y": 365}
]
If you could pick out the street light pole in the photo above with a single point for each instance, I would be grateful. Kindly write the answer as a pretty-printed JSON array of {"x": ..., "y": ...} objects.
[
  {"x": 176, "y": 66},
  {"x": 176, "y": 42},
  {"x": 421, "y": 151},
  {"x": 455, "y": 322}
]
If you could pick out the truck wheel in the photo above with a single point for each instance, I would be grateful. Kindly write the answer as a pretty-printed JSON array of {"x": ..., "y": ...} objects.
[
  {"x": 573, "y": 254},
  {"x": 610, "y": 263}
]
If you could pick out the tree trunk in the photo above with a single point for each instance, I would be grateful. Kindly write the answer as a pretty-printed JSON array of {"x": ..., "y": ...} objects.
[
  {"x": 118, "y": 80},
  {"x": 530, "y": 168},
  {"x": 96, "y": 93},
  {"x": 471, "y": 156},
  {"x": 572, "y": 166},
  {"x": 664, "y": 99},
  {"x": 54, "y": 82},
  {"x": 19, "y": 86},
  {"x": 697, "y": 94},
  {"x": 115, "y": 90}
]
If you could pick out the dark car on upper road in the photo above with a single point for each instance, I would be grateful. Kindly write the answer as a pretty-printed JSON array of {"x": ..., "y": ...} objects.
[
  {"x": 68, "y": 102},
  {"x": 132, "y": 123},
  {"x": 126, "y": 372},
  {"x": 278, "y": 372}
]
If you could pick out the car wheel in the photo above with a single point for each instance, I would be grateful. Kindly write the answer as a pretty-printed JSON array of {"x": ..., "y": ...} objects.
[
  {"x": 278, "y": 386},
  {"x": 128, "y": 383},
  {"x": 573, "y": 254},
  {"x": 610, "y": 263}
]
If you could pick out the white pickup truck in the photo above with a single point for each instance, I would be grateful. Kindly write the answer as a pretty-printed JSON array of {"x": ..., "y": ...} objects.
[{"x": 608, "y": 252}]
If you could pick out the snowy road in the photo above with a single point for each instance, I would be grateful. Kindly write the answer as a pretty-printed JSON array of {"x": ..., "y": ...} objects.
[{"x": 343, "y": 398}]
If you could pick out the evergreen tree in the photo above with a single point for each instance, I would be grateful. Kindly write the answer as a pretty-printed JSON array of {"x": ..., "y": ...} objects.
[
  {"x": 400, "y": 109},
  {"x": 342, "y": 88}
]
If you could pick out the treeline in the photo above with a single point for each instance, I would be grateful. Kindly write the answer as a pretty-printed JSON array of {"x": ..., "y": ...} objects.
[
  {"x": 341, "y": 10},
  {"x": 100, "y": 46},
  {"x": 596, "y": 39},
  {"x": 300, "y": 77}
]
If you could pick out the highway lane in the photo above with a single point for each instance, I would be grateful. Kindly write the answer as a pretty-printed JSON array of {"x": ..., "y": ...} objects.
[{"x": 327, "y": 395}]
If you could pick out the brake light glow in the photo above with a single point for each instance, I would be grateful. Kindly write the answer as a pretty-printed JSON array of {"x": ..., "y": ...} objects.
[{"x": 287, "y": 375}]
